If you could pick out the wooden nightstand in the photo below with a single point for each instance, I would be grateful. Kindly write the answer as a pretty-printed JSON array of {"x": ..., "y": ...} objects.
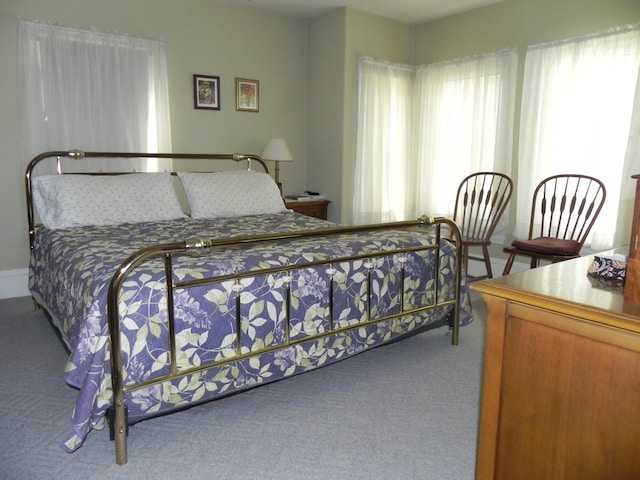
[{"x": 312, "y": 208}]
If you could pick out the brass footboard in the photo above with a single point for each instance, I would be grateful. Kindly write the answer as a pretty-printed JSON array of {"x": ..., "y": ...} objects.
[{"x": 200, "y": 245}]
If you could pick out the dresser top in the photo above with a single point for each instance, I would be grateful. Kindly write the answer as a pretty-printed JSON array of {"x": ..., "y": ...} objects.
[{"x": 566, "y": 287}]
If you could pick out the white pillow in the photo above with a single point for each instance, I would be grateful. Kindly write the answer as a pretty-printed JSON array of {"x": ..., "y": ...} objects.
[
  {"x": 231, "y": 193},
  {"x": 65, "y": 201}
]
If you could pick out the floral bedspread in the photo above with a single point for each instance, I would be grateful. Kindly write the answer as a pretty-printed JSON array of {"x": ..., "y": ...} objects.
[{"x": 71, "y": 269}]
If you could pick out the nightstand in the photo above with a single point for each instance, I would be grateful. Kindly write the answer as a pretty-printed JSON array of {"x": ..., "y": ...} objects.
[{"x": 312, "y": 208}]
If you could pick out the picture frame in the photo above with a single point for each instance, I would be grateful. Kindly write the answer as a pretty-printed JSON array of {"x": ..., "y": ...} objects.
[
  {"x": 206, "y": 92},
  {"x": 247, "y": 95}
]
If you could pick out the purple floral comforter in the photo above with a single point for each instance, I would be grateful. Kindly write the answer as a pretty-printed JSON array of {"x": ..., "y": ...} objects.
[{"x": 71, "y": 269}]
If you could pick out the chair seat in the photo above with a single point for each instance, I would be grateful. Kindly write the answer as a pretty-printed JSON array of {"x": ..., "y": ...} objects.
[{"x": 548, "y": 246}]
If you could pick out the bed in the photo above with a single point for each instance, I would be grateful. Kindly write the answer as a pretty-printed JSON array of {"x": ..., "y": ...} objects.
[{"x": 174, "y": 289}]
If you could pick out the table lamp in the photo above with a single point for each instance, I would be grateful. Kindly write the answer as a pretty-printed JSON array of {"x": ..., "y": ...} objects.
[{"x": 277, "y": 151}]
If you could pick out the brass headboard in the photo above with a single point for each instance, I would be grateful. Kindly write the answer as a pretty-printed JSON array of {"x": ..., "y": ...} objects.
[{"x": 80, "y": 155}]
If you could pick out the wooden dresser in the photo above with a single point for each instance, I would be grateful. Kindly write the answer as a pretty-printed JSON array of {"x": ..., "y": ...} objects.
[
  {"x": 312, "y": 208},
  {"x": 561, "y": 383}
]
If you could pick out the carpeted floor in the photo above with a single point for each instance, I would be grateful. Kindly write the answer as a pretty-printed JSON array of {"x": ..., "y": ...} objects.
[{"x": 404, "y": 411}]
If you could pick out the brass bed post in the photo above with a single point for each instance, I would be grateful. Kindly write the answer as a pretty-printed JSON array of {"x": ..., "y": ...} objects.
[
  {"x": 119, "y": 416},
  {"x": 455, "y": 230},
  {"x": 31, "y": 221},
  {"x": 29, "y": 190},
  {"x": 168, "y": 274}
]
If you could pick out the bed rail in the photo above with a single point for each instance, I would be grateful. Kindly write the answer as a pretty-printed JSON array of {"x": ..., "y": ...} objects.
[
  {"x": 81, "y": 155},
  {"x": 166, "y": 252}
]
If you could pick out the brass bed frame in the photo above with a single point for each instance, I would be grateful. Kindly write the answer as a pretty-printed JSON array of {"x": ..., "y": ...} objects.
[{"x": 117, "y": 417}]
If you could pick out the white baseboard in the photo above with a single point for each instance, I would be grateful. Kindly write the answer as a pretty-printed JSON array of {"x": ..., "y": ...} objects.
[{"x": 14, "y": 283}]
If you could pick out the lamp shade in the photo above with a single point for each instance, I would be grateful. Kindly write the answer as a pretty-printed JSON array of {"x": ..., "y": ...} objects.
[{"x": 277, "y": 150}]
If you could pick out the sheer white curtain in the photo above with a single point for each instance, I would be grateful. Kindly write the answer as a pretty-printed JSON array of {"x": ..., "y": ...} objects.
[
  {"x": 420, "y": 134},
  {"x": 631, "y": 167},
  {"x": 578, "y": 98},
  {"x": 463, "y": 123},
  {"x": 383, "y": 189},
  {"x": 93, "y": 91}
]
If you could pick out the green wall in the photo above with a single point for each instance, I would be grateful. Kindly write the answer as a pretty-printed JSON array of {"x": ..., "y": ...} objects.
[
  {"x": 336, "y": 41},
  {"x": 307, "y": 71},
  {"x": 369, "y": 36},
  {"x": 518, "y": 23},
  {"x": 325, "y": 99}
]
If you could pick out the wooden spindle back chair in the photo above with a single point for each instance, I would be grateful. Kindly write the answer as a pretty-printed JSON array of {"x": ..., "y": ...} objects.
[
  {"x": 563, "y": 211},
  {"x": 481, "y": 200}
]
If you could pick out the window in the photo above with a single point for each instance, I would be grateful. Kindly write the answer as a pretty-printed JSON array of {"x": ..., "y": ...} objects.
[
  {"x": 384, "y": 135},
  {"x": 464, "y": 124},
  {"x": 82, "y": 89},
  {"x": 420, "y": 131},
  {"x": 580, "y": 113},
  {"x": 577, "y": 105}
]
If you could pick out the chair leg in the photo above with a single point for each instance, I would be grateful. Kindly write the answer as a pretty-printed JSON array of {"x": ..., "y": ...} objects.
[
  {"x": 509, "y": 264},
  {"x": 465, "y": 260},
  {"x": 487, "y": 261}
]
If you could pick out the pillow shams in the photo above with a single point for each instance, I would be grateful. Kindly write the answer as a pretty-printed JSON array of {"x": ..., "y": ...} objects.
[
  {"x": 69, "y": 200},
  {"x": 231, "y": 193}
]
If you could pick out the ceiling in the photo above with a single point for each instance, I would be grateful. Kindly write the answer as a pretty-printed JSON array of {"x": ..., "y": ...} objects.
[{"x": 408, "y": 11}]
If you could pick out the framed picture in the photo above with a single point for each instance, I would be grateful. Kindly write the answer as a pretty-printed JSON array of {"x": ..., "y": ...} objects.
[
  {"x": 247, "y": 95},
  {"x": 206, "y": 92}
]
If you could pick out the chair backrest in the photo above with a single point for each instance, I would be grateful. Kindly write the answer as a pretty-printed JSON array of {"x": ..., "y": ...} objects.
[
  {"x": 566, "y": 206},
  {"x": 480, "y": 202}
]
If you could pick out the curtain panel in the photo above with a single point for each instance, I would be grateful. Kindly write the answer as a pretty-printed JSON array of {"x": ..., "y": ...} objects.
[
  {"x": 94, "y": 91},
  {"x": 463, "y": 120},
  {"x": 578, "y": 116},
  {"x": 383, "y": 190},
  {"x": 421, "y": 130}
]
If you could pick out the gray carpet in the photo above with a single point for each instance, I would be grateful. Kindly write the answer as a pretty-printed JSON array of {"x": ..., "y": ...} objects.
[{"x": 404, "y": 411}]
